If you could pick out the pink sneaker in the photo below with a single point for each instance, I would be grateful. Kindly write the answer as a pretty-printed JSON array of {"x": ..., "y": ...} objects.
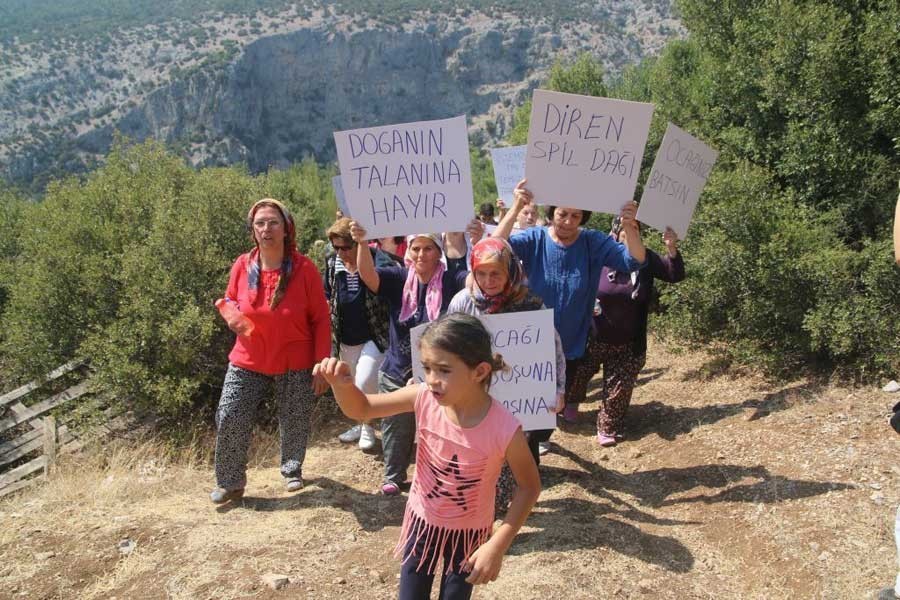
[
  {"x": 570, "y": 413},
  {"x": 606, "y": 440},
  {"x": 390, "y": 489}
]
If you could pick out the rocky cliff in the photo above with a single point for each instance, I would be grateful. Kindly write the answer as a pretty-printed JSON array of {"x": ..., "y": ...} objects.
[{"x": 281, "y": 96}]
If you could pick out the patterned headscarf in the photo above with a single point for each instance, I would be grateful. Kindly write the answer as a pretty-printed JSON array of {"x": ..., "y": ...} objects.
[
  {"x": 434, "y": 294},
  {"x": 515, "y": 295},
  {"x": 287, "y": 262}
]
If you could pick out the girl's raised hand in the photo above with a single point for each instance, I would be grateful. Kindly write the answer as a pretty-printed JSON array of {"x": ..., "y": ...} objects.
[
  {"x": 484, "y": 564},
  {"x": 333, "y": 371}
]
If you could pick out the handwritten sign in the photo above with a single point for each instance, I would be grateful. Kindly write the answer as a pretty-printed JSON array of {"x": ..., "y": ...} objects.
[
  {"x": 409, "y": 178},
  {"x": 678, "y": 175},
  {"x": 339, "y": 195},
  {"x": 585, "y": 152},
  {"x": 526, "y": 341},
  {"x": 509, "y": 169}
]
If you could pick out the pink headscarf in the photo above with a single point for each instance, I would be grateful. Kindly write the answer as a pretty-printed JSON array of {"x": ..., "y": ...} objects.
[{"x": 433, "y": 294}]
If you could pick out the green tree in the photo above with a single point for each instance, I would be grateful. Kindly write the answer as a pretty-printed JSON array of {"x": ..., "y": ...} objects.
[{"x": 123, "y": 269}]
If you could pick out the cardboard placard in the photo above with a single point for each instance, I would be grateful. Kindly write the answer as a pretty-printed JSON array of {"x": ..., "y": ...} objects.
[
  {"x": 408, "y": 178},
  {"x": 585, "y": 152},
  {"x": 676, "y": 180},
  {"x": 509, "y": 170}
]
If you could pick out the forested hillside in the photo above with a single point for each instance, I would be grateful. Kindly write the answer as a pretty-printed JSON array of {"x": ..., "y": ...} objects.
[{"x": 189, "y": 74}]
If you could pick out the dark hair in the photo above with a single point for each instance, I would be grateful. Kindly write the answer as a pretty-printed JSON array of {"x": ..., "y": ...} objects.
[
  {"x": 486, "y": 209},
  {"x": 585, "y": 214},
  {"x": 463, "y": 336}
]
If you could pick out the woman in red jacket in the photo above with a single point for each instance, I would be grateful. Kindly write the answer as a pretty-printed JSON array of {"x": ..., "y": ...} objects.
[{"x": 280, "y": 291}]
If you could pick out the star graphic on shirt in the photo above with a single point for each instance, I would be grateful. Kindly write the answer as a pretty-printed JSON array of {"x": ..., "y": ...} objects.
[{"x": 462, "y": 485}]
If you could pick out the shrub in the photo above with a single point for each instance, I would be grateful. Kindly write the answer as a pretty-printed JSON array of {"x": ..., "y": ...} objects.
[{"x": 124, "y": 269}]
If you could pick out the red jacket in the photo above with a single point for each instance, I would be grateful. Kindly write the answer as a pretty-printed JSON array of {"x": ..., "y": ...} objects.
[{"x": 296, "y": 334}]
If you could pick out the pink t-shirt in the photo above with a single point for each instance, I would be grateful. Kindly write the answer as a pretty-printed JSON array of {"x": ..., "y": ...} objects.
[{"x": 451, "y": 500}]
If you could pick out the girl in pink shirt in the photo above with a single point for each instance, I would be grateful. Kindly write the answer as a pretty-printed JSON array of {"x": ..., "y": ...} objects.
[{"x": 464, "y": 435}]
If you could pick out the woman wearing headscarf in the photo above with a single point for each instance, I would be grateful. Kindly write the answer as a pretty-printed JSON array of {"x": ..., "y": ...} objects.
[
  {"x": 563, "y": 263},
  {"x": 620, "y": 343},
  {"x": 359, "y": 319},
  {"x": 416, "y": 293},
  {"x": 280, "y": 291},
  {"x": 498, "y": 286}
]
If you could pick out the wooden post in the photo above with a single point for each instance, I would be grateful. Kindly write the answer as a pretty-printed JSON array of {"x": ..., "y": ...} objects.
[{"x": 49, "y": 443}]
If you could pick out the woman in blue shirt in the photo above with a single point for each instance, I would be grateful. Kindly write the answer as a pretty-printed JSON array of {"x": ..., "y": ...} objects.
[{"x": 563, "y": 261}]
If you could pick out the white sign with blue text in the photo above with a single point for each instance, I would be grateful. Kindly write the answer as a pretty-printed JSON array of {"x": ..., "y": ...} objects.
[
  {"x": 509, "y": 170},
  {"x": 408, "y": 178},
  {"x": 585, "y": 152},
  {"x": 527, "y": 388},
  {"x": 676, "y": 180}
]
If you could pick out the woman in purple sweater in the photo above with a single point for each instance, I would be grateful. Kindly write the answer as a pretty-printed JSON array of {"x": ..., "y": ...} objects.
[{"x": 620, "y": 344}]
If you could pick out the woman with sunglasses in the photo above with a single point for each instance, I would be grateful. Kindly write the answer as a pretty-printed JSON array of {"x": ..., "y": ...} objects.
[{"x": 359, "y": 319}]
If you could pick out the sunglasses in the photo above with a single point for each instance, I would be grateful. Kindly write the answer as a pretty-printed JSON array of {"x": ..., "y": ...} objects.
[{"x": 343, "y": 248}]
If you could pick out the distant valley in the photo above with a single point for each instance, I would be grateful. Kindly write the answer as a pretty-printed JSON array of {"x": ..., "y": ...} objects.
[{"x": 268, "y": 89}]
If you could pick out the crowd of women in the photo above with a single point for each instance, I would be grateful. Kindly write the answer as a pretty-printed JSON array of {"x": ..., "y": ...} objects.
[{"x": 349, "y": 328}]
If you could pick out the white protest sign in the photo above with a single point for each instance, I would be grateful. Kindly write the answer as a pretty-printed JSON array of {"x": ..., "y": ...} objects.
[
  {"x": 509, "y": 169},
  {"x": 409, "y": 178},
  {"x": 339, "y": 195},
  {"x": 585, "y": 152},
  {"x": 678, "y": 175},
  {"x": 526, "y": 341}
]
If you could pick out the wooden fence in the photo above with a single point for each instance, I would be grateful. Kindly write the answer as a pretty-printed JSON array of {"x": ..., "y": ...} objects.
[{"x": 44, "y": 438}]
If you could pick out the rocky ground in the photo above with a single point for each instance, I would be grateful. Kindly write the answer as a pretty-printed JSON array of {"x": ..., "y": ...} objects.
[{"x": 727, "y": 487}]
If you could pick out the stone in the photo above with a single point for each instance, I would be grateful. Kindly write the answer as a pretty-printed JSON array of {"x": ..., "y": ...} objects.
[
  {"x": 275, "y": 581},
  {"x": 877, "y": 498},
  {"x": 891, "y": 387},
  {"x": 375, "y": 575},
  {"x": 126, "y": 546},
  {"x": 44, "y": 555},
  {"x": 340, "y": 581}
]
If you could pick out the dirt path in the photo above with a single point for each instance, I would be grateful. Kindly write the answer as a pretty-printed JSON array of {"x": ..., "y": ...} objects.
[{"x": 726, "y": 488}]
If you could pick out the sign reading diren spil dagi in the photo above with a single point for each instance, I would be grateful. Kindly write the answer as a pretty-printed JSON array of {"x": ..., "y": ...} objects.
[
  {"x": 408, "y": 178},
  {"x": 585, "y": 152},
  {"x": 527, "y": 343}
]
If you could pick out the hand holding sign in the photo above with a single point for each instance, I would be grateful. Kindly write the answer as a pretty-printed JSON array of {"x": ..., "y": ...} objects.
[{"x": 670, "y": 239}]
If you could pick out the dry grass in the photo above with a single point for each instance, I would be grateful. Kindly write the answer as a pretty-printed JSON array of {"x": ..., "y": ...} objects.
[{"x": 728, "y": 487}]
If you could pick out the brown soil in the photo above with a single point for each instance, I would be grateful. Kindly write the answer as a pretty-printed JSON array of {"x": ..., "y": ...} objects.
[{"x": 727, "y": 487}]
